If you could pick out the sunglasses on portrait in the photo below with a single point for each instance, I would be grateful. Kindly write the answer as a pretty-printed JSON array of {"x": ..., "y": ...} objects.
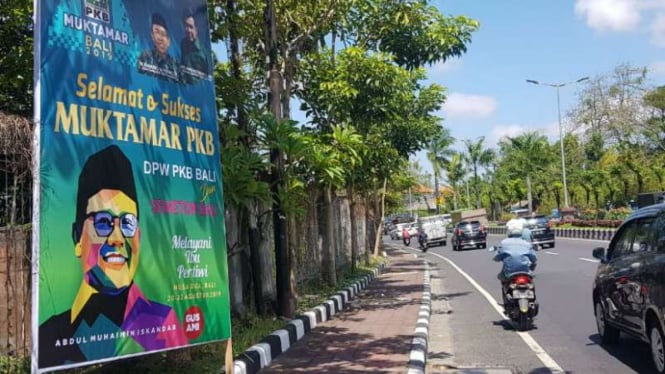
[{"x": 104, "y": 222}]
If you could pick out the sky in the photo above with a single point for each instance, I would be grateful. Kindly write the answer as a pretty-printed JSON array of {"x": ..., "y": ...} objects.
[{"x": 550, "y": 41}]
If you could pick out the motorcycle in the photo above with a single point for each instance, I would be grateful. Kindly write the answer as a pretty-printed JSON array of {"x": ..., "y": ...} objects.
[
  {"x": 422, "y": 240},
  {"x": 406, "y": 238},
  {"x": 519, "y": 298}
]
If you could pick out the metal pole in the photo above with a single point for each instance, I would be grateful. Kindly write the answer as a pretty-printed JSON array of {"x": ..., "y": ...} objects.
[{"x": 563, "y": 154}]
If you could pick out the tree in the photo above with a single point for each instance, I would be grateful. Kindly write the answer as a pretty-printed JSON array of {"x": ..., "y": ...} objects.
[
  {"x": 16, "y": 57},
  {"x": 477, "y": 156},
  {"x": 412, "y": 31},
  {"x": 655, "y": 125},
  {"x": 455, "y": 172},
  {"x": 525, "y": 155},
  {"x": 438, "y": 154}
]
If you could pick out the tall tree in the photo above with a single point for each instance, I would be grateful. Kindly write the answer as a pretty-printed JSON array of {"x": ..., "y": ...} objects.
[
  {"x": 524, "y": 155},
  {"x": 439, "y": 152},
  {"x": 16, "y": 57},
  {"x": 477, "y": 156},
  {"x": 455, "y": 172}
]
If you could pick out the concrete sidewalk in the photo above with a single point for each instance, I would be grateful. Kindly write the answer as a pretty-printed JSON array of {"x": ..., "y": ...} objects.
[{"x": 383, "y": 330}]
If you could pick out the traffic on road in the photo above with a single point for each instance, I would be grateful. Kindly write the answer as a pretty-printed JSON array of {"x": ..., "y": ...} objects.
[{"x": 468, "y": 328}]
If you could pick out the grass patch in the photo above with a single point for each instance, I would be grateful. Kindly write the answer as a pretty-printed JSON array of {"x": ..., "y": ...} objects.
[{"x": 209, "y": 358}]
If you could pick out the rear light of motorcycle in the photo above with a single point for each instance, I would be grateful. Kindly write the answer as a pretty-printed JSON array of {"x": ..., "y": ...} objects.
[
  {"x": 521, "y": 280},
  {"x": 458, "y": 232}
]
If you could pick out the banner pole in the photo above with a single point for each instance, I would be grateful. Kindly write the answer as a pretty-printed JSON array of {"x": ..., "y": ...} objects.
[{"x": 228, "y": 360}]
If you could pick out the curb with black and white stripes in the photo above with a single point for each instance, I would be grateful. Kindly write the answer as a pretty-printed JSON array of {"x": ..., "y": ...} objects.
[
  {"x": 261, "y": 354},
  {"x": 418, "y": 355}
]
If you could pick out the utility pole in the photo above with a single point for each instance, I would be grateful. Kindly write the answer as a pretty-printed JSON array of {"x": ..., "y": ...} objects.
[{"x": 285, "y": 296}]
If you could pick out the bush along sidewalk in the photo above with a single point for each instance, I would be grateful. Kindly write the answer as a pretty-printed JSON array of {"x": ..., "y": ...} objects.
[{"x": 261, "y": 354}]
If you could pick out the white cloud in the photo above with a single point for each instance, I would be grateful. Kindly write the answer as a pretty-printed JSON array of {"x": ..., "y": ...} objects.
[
  {"x": 550, "y": 130},
  {"x": 441, "y": 68},
  {"x": 658, "y": 30},
  {"x": 625, "y": 16},
  {"x": 609, "y": 15},
  {"x": 460, "y": 105},
  {"x": 657, "y": 67}
]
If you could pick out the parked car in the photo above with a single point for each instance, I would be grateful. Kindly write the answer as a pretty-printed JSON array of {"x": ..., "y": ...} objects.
[
  {"x": 469, "y": 233},
  {"x": 541, "y": 230},
  {"x": 435, "y": 229},
  {"x": 629, "y": 284}
]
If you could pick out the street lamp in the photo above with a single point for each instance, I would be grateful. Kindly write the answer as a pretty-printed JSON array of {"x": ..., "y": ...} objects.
[{"x": 558, "y": 106}]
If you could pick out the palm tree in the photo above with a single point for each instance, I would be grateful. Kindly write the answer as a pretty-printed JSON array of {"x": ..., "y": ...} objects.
[
  {"x": 455, "y": 171},
  {"x": 439, "y": 154},
  {"x": 477, "y": 156},
  {"x": 529, "y": 155}
]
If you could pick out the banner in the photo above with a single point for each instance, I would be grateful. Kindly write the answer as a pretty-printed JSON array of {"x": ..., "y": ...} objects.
[{"x": 130, "y": 253}]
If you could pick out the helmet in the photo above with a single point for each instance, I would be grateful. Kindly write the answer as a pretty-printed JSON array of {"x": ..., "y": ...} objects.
[{"x": 515, "y": 233}]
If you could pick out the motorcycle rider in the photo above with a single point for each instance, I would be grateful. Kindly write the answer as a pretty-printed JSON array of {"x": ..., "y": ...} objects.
[
  {"x": 406, "y": 236},
  {"x": 422, "y": 237},
  {"x": 517, "y": 255}
]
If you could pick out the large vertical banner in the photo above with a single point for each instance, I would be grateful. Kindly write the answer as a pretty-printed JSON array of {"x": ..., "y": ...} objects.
[{"x": 130, "y": 252}]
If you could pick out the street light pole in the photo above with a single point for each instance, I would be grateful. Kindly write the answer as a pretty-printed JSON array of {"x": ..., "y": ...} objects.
[
  {"x": 563, "y": 157},
  {"x": 558, "y": 107}
]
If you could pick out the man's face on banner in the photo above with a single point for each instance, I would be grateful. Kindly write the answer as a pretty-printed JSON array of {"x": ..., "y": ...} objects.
[
  {"x": 161, "y": 39},
  {"x": 110, "y": 241},
  {"x": 190, "y": 29}
]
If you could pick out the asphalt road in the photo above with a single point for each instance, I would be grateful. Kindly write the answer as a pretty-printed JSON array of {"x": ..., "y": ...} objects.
[{"x": 467, "y": 331}]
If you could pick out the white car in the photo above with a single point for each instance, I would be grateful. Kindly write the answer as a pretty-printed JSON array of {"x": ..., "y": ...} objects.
[{"x": 396, "y": 233}]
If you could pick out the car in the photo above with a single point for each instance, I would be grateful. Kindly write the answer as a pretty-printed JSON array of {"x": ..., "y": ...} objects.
[
  {"x": 469, "y": 233},
  {"x": 541, "y": 231},
  {"x": 435, "y": 229},
  {"x": 396, "y": 232},
  {"x": 629, "y": 284}
]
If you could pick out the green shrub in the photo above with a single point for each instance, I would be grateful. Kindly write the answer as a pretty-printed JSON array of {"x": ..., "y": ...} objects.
[{"x": 14, "y": 365}]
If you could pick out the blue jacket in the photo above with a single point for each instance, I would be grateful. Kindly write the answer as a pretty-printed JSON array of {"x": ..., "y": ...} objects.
[{"x": 517, "y": 256}]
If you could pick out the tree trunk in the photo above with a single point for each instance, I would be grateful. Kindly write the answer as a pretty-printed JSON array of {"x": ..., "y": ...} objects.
[
  {"x": 329, "y": 273},
  {"x": 259, "y": 244},
  {"x": 436, "y": 191},
  {"x": 285, "y": 297},
  {"x": 376, "y": 227},
  {"x": 528, "y": 193},
  {"x": 557, "y": 198},
  {"x": 313, "y": 249},
  {"x": 236, "y": 66},
  {"x": 369, "y": 245},
  {"x": 235, "y": 264},
  {"x": 354, "y": 228},
  {"x": 475, "y": 179}
]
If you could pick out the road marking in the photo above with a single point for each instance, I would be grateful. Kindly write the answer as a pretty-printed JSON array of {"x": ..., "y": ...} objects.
[
  {"x": 588, "y": 259},
  {"x": 545, "y": 358},
  {"x": 551, "y": 253}
]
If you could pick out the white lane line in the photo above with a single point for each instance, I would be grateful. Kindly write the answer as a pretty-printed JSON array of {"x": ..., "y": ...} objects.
[
  {"x": 545, "y": 358},
  {"x": 588, "y": 259},
  {"x": 551, "y": 253}
]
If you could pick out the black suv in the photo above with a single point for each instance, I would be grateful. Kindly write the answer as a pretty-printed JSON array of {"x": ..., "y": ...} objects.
[
  {"x": 469, "y": 233},
  {"x": 541, "y": 230},
  {"x": 629, "y": 288}
]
